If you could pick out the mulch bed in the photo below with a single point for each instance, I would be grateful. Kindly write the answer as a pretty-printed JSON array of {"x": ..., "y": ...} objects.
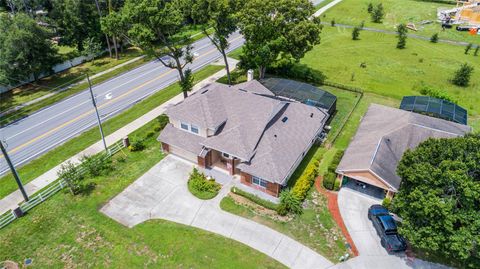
[{"x": 335, "y": 211}]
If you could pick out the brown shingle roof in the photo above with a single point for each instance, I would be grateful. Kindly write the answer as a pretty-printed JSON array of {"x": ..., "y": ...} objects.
[{"x": 383, "y": 136}]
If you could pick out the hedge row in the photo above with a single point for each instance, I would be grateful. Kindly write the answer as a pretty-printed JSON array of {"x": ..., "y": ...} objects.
[
  {"x": 254, "y": 198},
  {"x": 306, "y": 180},
  {"x": 329, "y": 179}
]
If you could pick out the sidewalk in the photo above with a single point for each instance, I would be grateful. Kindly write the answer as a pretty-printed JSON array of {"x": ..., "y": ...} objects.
[
  {"x": 31, "y": 102},
  {"x": 325, "y": 8},
  {"x": 11, "y": 201}
]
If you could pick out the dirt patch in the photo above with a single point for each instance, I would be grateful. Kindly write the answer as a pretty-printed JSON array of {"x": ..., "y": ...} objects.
[{"x": 258, "y": 209}]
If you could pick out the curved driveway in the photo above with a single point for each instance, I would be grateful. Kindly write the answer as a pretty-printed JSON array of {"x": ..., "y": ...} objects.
[
  {"x": 40, "y": 132},
  {"x": 162, "y": 193}
]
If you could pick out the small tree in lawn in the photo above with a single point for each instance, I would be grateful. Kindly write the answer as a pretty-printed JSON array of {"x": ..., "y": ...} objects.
[
  {"x": 476, "y": 50},
  {"x": 462, "y": 75},
  {"x": 332, "y": 23},
  {"x": 378, "y": 13},
  {"x": 92, "y": 47},
  {"x": 370, "y": 8},
  {"x": 434, "y": 38},
  {"x": 69, "y": 172},
  {"x": 468, "y": 47},
  {"x": 402, "y": 36},
  {"x": 356, "y": 33}
]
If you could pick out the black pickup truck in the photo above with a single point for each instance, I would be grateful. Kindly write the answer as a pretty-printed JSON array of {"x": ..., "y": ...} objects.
[{"x": 386, "y": 228}]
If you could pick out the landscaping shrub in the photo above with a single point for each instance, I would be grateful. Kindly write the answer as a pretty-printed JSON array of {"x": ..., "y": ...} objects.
[
  {"x": 387, "y": 202},
  {"x": 72, "y": 176},
  {"x": 201, "y": 187},
  {"x": 163, "y": 121},
  {"x": 356, "y": 33},
  {"x": 96, "y": 165},
  {"x": 137, "y": 145},
  {"x": 434, "y": 38},
  {"x": 305, "y": 181},
  {"x": 335, "y": 161},
  {"x": 329, "y": 180},
  {"x": 254, "y": 198},
  {"x": 336, "y": 185},
  {"x": 378, "y": 13},
  {"x": 289, "y": 202}
]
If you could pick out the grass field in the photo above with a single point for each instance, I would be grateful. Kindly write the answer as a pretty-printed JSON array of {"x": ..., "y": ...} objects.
[
  {"x": 69, "y": 232},
  {"x": 353, "y": 12},
  {"x": 56, "y": 156},
  {"x": 392, "y": 72}
]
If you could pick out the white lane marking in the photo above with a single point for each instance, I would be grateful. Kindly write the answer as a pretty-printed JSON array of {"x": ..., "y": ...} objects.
[{"x": 108, "y": 96}]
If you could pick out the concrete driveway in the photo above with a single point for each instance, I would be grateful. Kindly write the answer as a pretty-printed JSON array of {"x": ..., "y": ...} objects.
[
  {"x": 162, "y": 193},
  {"x": 353, "y": 207}
]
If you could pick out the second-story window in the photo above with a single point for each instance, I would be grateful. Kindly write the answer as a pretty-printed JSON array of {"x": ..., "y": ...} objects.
[
  {"x": 184, "y": 126},
  {"x": 194, "y": 129}
]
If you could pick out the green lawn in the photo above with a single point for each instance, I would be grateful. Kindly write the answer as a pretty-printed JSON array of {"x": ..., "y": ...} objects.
[
  {"x": 70, "y": 232},
  {"x": 56, "y": 156},
  {"x": 353, "y": 12},
  {"x": 391, "y": 72}
]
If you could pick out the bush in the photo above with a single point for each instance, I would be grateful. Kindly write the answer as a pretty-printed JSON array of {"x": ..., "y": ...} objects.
[
  {"x": 96, "y": 165},
  {"x": 387, "y": 202},
  {"x": 356, "y": 33},
  {"x": 305, "y": 181},
  {"x": 434, "y": 38},
  {"x": 329, "y": 180},
  {"x": 137, "y": 145},
  {"x": 429, "y": 91},
  {"x": 289, "y": 202},
  {"x": 254, "y": 198},
  {"x": 202, "y": 187},
  {"x": 290, "y": 69},
  {"x": 335, "y": 161},
  {"x": 72, "y": 176},
  {"x": 462, "y": 75},
  {"x": 337, "y": 184},
  {"x": 402, "y": 36},
  {"x": 468, "y": 48},
  {"x": 163, "y": 121},
  {"x": 378, "y": 13}
]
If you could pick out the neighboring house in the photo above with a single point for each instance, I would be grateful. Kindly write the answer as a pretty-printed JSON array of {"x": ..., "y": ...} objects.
[
  {"x": 384, "y": 134},
  {"x": 244, "y": 129}
]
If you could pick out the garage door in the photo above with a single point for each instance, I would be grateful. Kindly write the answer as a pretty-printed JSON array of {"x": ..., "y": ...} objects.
[{"x": 183, "y": 153}]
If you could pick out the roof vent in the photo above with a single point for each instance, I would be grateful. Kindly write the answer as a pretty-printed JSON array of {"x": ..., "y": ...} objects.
[
  {"x": 284, "y": 119},
  {"x": 311, "y": 115},
  {"x": 275, "y": 135},
  {"x": 204, "y": 91}
]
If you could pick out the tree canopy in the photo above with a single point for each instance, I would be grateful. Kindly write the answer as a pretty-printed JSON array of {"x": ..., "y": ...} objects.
[
  {"x": 76, "y": 20},
  {"x": 277, "y": 29},
  {"x": 439, "y": 198},
  {"x": 25, "y": 49},
  {"x": 156, "y": 24}
]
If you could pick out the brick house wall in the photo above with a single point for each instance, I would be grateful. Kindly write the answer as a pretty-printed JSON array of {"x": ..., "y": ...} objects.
[{"x": 272, "y": 188}]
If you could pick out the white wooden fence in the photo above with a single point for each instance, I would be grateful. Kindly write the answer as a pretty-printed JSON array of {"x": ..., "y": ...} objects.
[{"x": 49, "y": 191}]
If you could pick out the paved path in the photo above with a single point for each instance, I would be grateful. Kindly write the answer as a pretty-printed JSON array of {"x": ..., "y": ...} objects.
[
  {"x": 11, "y": 201},
  {"x": 162, "y": 193},
  {"x": 326, "y": 7},
  {"x": 353, "y": 207}
]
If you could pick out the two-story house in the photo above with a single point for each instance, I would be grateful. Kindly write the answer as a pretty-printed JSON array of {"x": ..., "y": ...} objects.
[{"x": 244, "y": 129}]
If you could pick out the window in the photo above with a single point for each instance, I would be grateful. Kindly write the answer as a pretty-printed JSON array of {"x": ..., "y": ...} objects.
[
  {"x": 259, "y": 182},
  {"x": 194, "y": 129},
  {"x": 226, "y": 155},
  {"x": 184, "y": 126}
]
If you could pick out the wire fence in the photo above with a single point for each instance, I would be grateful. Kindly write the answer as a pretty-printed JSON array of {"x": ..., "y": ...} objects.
[{"x": 50, "y": 190}]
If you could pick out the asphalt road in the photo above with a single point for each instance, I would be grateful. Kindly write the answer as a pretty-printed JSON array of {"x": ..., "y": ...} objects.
[{"x": 44, "y": 130}]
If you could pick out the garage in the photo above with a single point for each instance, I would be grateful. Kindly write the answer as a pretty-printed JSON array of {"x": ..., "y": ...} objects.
[
  {"x": 190, "y": 156},
  {"x": 363, "y": 187}
]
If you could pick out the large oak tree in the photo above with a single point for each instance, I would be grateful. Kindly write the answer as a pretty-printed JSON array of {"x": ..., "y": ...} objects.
[
  {"x": 156, "y": 27},
  {"x": 275, "y": 30},
  {"x": 439, "y": 198}
]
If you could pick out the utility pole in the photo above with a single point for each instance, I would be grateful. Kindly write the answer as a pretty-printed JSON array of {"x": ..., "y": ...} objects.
[
  {"x": 98, "y": 116},
  {"x": 14, "y": 172}
]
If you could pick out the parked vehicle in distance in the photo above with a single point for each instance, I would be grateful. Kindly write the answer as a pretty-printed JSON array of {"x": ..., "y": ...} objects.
[{"x": 386, "y": 228}]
